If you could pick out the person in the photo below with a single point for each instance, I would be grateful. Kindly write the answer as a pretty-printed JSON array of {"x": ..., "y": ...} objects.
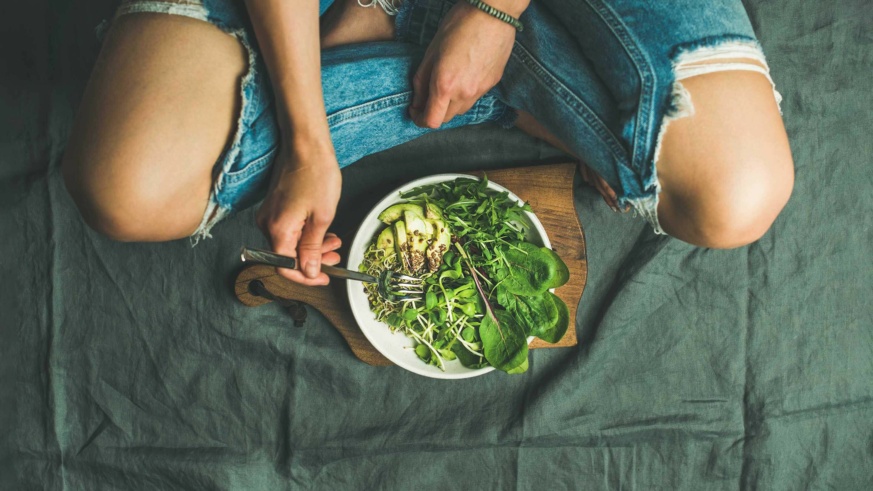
[{"x": 191, "y": 116}]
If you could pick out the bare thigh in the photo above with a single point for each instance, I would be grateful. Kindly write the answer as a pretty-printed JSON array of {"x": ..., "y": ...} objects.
[{"x": 158, "y": 111}]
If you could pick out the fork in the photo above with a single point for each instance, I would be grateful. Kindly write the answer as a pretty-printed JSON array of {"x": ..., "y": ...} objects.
[{"x": 390, "y": 285}]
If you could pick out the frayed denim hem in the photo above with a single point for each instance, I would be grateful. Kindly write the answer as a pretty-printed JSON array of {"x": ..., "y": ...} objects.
[{"x": 214, "y": 214}]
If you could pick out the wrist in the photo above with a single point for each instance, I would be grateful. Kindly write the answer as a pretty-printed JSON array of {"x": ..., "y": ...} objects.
[
  {"x": 302, "y": 132},
  {"x": 312, "y": 150},
  {"x": 512, "y": 7}
]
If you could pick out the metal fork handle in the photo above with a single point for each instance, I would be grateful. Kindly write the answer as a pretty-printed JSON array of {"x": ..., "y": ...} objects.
[{"x": 260, "y": 256}]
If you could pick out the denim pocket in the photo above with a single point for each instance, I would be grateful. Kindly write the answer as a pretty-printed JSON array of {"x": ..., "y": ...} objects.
[
  {"x": 251, "y": 169},
  {"x": 240, "y": 189}
]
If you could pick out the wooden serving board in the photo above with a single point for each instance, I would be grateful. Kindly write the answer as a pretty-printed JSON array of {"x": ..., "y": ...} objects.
[{"x": 548, "y": 189}]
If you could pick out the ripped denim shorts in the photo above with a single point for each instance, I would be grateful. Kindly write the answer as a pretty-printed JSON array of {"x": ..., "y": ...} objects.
[{"x": 604, "y": 76}]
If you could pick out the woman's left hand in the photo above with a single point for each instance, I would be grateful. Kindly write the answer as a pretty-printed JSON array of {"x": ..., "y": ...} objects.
[{"x": 465, "y": 59}]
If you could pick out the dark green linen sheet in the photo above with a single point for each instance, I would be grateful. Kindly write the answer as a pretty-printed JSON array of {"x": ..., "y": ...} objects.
[{"x": 131, "y": 366}]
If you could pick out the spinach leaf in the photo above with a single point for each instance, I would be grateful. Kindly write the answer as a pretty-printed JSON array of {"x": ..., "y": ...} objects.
[
  {"x": 521, "y": 368},
  {"x": 553, "y": 332},
  {"x": 536, "y": 314},
  {"x": 562, "y": 273},
  {"x": 505, "y": 345},
  {"x": 531, "y": 269},
  {"x": 545, "y": 316},
  {"x": 466, "y": 357}
]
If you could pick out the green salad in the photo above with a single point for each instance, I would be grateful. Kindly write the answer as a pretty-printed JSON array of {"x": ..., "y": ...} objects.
[{"x": 486, "y": 288}]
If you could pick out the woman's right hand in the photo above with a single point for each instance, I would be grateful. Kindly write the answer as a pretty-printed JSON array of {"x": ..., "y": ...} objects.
[
  {"x": 306, "y": 180},
  {"x": 300, "y": 206}
]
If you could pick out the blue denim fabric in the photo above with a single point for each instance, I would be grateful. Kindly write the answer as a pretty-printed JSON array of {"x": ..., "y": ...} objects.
[{"x": 599, "y": 74}]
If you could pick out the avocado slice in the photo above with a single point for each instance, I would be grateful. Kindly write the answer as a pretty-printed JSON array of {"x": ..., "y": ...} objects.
[
  {"x": 428, "y": 229},
  {"x": 441, "y": 243},
  {"x": 433, "y": 212},
  {"x": 394, "y": 212},
  {"x": 385, "y": 241},
  {"x": 418, "y": 236},
  {"x": 401, "y": 244}
]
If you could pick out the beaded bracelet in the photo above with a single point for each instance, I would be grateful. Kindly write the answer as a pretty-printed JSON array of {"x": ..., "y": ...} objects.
[{"x": 497, "y": 14}]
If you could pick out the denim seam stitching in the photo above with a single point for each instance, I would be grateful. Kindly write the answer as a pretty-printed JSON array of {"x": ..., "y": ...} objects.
[
  {"x": 560, "y": 90},
  {"x": 253, "y": 86},
  {"x": 368, "y": 107},
  {"x": 252, "y": 167},
  {"x": 645, "y": 109}
]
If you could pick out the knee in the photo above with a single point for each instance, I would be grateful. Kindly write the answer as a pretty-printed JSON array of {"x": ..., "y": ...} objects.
[
  {"x": 101, "y": 207},
  {"x": 734, "y": 211},
  {"x": 119, "y": 207}
]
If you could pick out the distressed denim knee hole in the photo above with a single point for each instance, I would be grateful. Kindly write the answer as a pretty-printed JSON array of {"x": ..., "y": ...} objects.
[{"x": 691, "y": 61}]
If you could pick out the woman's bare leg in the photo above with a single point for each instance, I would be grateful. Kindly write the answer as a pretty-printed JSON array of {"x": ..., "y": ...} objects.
[
  {"x": 726, "y": 172},
  {"x": 158, "y": 110}
]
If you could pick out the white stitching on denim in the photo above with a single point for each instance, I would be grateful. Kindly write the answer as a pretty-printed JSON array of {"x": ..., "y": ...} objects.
[
  {"x": 389, "y": 101},
  {"x": 523, "y": 56},
  {"x": 646, "y": 72}
]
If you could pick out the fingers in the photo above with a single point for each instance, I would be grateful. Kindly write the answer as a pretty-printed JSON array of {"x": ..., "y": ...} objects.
[
  {"x": 600, "y": 184},
  {"x": 435, "y": 109},
  {"x": 309, "y": 249},
  {"x": 436, "y": 99},
  {"x": 283, "y": 234},
  {"x": 284, "y": 237},
  {"x": 331, "y": 243},
  {"x": 420, "y": 86},
  {"x": 330, "y": 258},
  {"x": 294, "y": 240},
  {"x": 608, "y": 194}
]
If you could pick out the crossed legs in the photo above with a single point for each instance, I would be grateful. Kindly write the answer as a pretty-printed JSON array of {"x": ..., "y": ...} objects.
[{"x": 162, "y": 101}]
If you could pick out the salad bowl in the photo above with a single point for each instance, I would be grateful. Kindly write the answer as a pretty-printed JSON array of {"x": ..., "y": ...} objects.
[{"x": 395, "y": 345}]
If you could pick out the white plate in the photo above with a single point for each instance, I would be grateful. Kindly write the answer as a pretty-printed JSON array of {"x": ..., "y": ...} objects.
[{"x": 397, "y": 347}]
